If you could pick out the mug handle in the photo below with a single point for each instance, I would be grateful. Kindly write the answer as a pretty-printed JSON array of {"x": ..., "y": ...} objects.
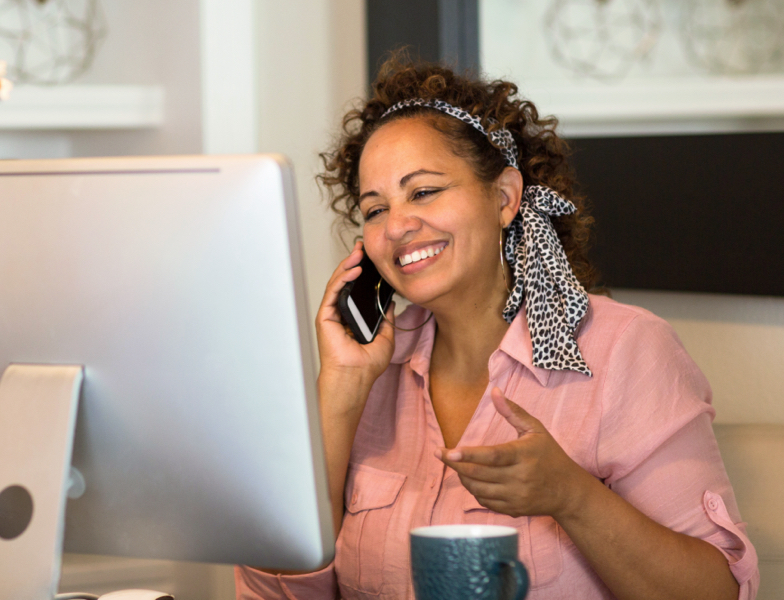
[{"x": 521, "y": 577}]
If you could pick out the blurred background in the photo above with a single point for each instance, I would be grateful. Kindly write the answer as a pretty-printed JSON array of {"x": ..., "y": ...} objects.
[{"x": 674, "y": 108}]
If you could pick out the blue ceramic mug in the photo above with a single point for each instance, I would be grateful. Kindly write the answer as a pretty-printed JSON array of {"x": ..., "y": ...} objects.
[{"x": 467, "y": 562}]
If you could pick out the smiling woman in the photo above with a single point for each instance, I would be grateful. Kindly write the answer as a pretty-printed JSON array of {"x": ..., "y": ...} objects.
[
  {"x": 525, "y": 401},
  {"x": 543, "y": 155},
  {"x": 428, "y": 220}
]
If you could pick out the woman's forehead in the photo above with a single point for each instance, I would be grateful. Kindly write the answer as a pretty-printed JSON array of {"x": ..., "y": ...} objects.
[
  {"x": 405, "y": 140},
  {"x": 403, "y": 128}
]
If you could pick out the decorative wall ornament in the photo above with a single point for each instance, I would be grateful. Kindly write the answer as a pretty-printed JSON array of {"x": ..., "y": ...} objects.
[
  {"x": 733, "y": 37},
  {"x": 50, "y": 41},
  {"x": 602, "y": 39}
]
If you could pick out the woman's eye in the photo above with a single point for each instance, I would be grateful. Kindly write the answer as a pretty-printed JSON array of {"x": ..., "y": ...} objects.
[
  {"x": 419, "y": 194},
  {"x": 372, "y": 213}
]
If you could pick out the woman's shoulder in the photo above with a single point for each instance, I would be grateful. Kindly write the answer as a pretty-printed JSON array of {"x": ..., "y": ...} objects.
[
  {"x": 608, "y": 317},
  {"x": 607, "y": 307},
  {"x": 611, "y": 328}
]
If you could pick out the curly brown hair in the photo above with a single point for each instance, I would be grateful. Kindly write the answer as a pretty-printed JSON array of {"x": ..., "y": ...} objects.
[{"x": 542, "y": 154}]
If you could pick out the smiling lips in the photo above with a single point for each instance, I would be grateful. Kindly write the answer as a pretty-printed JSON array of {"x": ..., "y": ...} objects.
[{"x": 420, "y": 254}]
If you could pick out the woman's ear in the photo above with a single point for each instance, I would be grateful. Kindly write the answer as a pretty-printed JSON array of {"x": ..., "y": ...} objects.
[{"x": 510, "y": 188}]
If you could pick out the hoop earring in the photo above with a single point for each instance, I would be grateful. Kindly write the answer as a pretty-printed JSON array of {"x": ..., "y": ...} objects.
[
  {"x": 503, "y": 266},
  {"x": 381, "y": 309}
]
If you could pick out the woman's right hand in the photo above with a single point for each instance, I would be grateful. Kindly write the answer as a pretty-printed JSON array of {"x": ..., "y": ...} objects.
[
  {"x": 348, "y": 371},
  {"x": 342, "y": 357}
]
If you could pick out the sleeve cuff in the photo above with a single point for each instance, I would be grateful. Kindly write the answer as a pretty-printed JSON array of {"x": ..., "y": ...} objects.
[
  {"x": 253, "y": 584},
  {"x": 733, "y": 543}
]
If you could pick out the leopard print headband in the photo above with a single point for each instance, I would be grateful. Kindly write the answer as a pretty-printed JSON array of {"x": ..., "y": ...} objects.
[
  {"x": 556, "y": 302},
  {"x": 500, "y": 138}
]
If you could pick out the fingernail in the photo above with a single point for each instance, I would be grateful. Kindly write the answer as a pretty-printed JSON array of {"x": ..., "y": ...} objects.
[{"x": 454, "y": 455}]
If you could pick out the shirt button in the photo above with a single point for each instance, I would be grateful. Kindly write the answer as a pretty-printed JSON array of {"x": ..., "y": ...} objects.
[
  {"x": 713, "y": 504},
  {"x": 354, "y": 498}
]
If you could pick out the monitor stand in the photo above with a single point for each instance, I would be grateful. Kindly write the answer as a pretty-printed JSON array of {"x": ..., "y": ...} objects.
[{"x": 37, "y": 419}]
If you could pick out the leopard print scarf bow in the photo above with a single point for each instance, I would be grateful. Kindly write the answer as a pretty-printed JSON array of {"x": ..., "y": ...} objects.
[{"x": 555, "y": 302}]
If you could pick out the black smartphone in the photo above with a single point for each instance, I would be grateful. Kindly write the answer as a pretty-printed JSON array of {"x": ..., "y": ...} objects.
[{"x": 359, "y": 299}]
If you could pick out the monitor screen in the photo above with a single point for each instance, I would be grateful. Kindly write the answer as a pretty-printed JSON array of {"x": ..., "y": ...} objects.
[{"x": 178, "y": 284}]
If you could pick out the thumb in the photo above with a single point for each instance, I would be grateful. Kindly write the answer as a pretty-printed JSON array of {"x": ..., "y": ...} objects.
[{"x": 514, "y": 414}]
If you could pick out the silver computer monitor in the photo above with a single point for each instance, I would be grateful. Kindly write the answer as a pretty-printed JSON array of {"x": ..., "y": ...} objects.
[{"x": 178, "y": 283}]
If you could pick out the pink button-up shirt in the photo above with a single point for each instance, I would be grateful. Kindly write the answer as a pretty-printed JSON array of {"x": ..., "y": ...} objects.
[{"x": 642, "y": 424}]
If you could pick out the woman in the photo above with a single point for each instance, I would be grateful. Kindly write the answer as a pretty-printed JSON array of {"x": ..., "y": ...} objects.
[{"x": 505, "y": 394}]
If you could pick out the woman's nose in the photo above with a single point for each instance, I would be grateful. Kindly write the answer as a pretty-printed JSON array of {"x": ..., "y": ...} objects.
[{"x": 400, "y": 221}]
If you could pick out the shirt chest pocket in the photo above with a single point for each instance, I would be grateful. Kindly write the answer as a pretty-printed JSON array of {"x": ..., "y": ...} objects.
[
  {"x": 539, "y": 540},
  {"x": 371, "y": 496}
]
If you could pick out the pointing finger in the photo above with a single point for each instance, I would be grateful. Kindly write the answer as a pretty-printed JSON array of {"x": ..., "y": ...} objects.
[{"x": 515, "y": 415}]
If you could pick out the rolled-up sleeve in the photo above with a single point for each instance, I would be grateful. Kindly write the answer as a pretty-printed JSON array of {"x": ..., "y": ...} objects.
[
  {"x": 734, "y": 544},
  {"x": 252, "y": 584},
  {"x": 658, "y": 449},
  {"x": 683, "y": 485}
]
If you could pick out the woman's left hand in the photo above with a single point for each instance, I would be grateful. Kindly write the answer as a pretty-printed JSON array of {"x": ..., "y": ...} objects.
[{"x": 531, "y": 475}]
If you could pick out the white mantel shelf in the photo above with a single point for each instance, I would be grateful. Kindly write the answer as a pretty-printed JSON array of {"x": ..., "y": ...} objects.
[
  {"x": 662, "y": 106},
  {"x": 78, "y": 107}
]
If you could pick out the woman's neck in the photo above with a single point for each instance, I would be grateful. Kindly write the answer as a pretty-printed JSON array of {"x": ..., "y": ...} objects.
[{"x": 468, "y": 333}]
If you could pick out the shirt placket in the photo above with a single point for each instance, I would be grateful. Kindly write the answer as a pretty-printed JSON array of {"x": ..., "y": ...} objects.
[
  {"x": 433, "y": 440},
  {"x": 476, "y": 432}
]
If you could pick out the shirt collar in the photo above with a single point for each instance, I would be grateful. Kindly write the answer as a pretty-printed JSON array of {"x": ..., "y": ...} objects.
[
  {"x": 417, "y": 346},
  {"x": 517, "y": 344}
]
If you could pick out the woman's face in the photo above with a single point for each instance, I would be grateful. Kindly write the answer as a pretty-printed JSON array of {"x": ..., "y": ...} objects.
[{"x": 430, "y": 226}]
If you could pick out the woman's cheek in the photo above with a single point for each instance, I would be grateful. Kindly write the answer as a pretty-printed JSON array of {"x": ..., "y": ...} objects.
[{"x": 372, "y": 240}]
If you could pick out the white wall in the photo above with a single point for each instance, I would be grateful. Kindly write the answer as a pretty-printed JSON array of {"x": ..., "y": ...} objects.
[
  {"x": 229, "y": 75},
  {"x": 311, "y": 65},
  {"x": 150, "y": 42}
]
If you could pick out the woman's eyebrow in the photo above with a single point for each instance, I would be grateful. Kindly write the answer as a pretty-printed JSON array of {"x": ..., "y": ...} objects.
[
  {"x": 367, "y": 195},
  {"x": 403, "y": 181}
]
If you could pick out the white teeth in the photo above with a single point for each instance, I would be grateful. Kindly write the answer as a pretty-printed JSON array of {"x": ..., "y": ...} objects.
[{"x": 418, "y": 255}]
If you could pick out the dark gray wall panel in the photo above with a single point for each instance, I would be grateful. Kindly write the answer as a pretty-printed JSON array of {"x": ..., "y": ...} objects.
[
  {"x": 436, "y": 30},
  {"x": 689, "y": 213}
]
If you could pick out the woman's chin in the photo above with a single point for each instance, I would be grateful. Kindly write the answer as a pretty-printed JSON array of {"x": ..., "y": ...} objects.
[{"x": 421, "y": 298}]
